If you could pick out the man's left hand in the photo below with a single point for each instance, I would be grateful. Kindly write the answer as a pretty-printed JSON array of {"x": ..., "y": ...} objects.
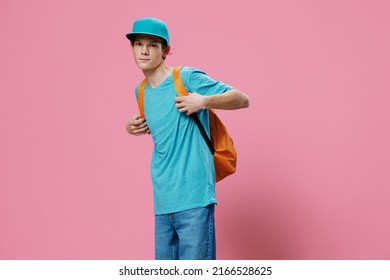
[{"x": 191, "y": 103}]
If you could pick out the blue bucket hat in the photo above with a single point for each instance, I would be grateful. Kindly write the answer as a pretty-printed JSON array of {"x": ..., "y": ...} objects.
[{"x": 149, "y": 26}]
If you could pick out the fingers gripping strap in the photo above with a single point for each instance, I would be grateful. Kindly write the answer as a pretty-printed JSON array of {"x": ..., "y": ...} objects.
[{"x": 141, "y": 93}]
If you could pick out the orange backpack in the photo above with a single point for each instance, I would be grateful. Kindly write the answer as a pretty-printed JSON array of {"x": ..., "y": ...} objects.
[{"x": 221, "y": 144}]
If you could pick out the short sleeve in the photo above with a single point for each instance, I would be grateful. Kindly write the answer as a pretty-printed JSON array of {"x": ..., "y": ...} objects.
[{"x": 198, "y": 81}]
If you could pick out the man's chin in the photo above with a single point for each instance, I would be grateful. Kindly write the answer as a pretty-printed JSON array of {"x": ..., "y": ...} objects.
[{"x": 144, "y": 67}]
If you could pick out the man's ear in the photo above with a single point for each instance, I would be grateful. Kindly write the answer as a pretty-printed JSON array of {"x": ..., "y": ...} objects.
[{"x": 166, "y": 51}]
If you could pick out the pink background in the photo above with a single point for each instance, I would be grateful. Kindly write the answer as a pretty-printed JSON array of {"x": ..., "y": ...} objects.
[{"x": 313, "y": 177}]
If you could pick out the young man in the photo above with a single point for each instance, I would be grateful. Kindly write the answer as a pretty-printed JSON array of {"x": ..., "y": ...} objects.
[{"x": 182, "y": 166}]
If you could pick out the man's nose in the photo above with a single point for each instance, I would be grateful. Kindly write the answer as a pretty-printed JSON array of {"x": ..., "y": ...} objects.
[{"x": 145, "y": 50}]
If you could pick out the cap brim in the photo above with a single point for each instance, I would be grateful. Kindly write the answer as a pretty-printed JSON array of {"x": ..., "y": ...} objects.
[{"x": 131, "y": 35}]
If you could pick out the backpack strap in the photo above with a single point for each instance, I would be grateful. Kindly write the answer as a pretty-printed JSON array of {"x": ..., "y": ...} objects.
[
  {"x": 180, "y": 88},
  {"x": 182, "y": 91},
  {"x": 141, "y": 93},
  {"x": 206, "y": 138}
]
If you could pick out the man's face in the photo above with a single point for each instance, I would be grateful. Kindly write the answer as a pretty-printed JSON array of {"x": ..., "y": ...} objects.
[{"x": 148, "y": 52}]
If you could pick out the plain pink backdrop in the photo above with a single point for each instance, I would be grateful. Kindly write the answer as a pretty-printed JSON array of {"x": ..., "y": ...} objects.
[{"x": 314, "y": 147}]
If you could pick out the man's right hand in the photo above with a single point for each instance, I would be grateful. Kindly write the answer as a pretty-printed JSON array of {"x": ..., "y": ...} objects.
[{"x": 137, "y": 126}]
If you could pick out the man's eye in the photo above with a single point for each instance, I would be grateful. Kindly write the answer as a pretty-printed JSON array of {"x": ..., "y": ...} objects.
[
  {"x": 153, "y": 45},
  {"x": 138, "y": 44}
]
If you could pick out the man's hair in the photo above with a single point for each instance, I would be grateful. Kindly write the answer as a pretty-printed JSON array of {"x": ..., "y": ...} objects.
[{"x": 163, "y": 42}]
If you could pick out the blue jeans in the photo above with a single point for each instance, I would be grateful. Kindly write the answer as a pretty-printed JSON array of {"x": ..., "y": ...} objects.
[{"x": 186, "y": 235}]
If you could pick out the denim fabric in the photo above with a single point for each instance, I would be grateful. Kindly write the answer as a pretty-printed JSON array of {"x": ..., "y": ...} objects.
[{"x": 186, "y": 235}]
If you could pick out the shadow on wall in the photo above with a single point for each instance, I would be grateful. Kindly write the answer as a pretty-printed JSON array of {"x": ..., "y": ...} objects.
[{"x": 260, "y": 221}]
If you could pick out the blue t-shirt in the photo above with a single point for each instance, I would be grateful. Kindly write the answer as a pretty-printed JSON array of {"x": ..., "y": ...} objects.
[{"x": 182, "y": 166}]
